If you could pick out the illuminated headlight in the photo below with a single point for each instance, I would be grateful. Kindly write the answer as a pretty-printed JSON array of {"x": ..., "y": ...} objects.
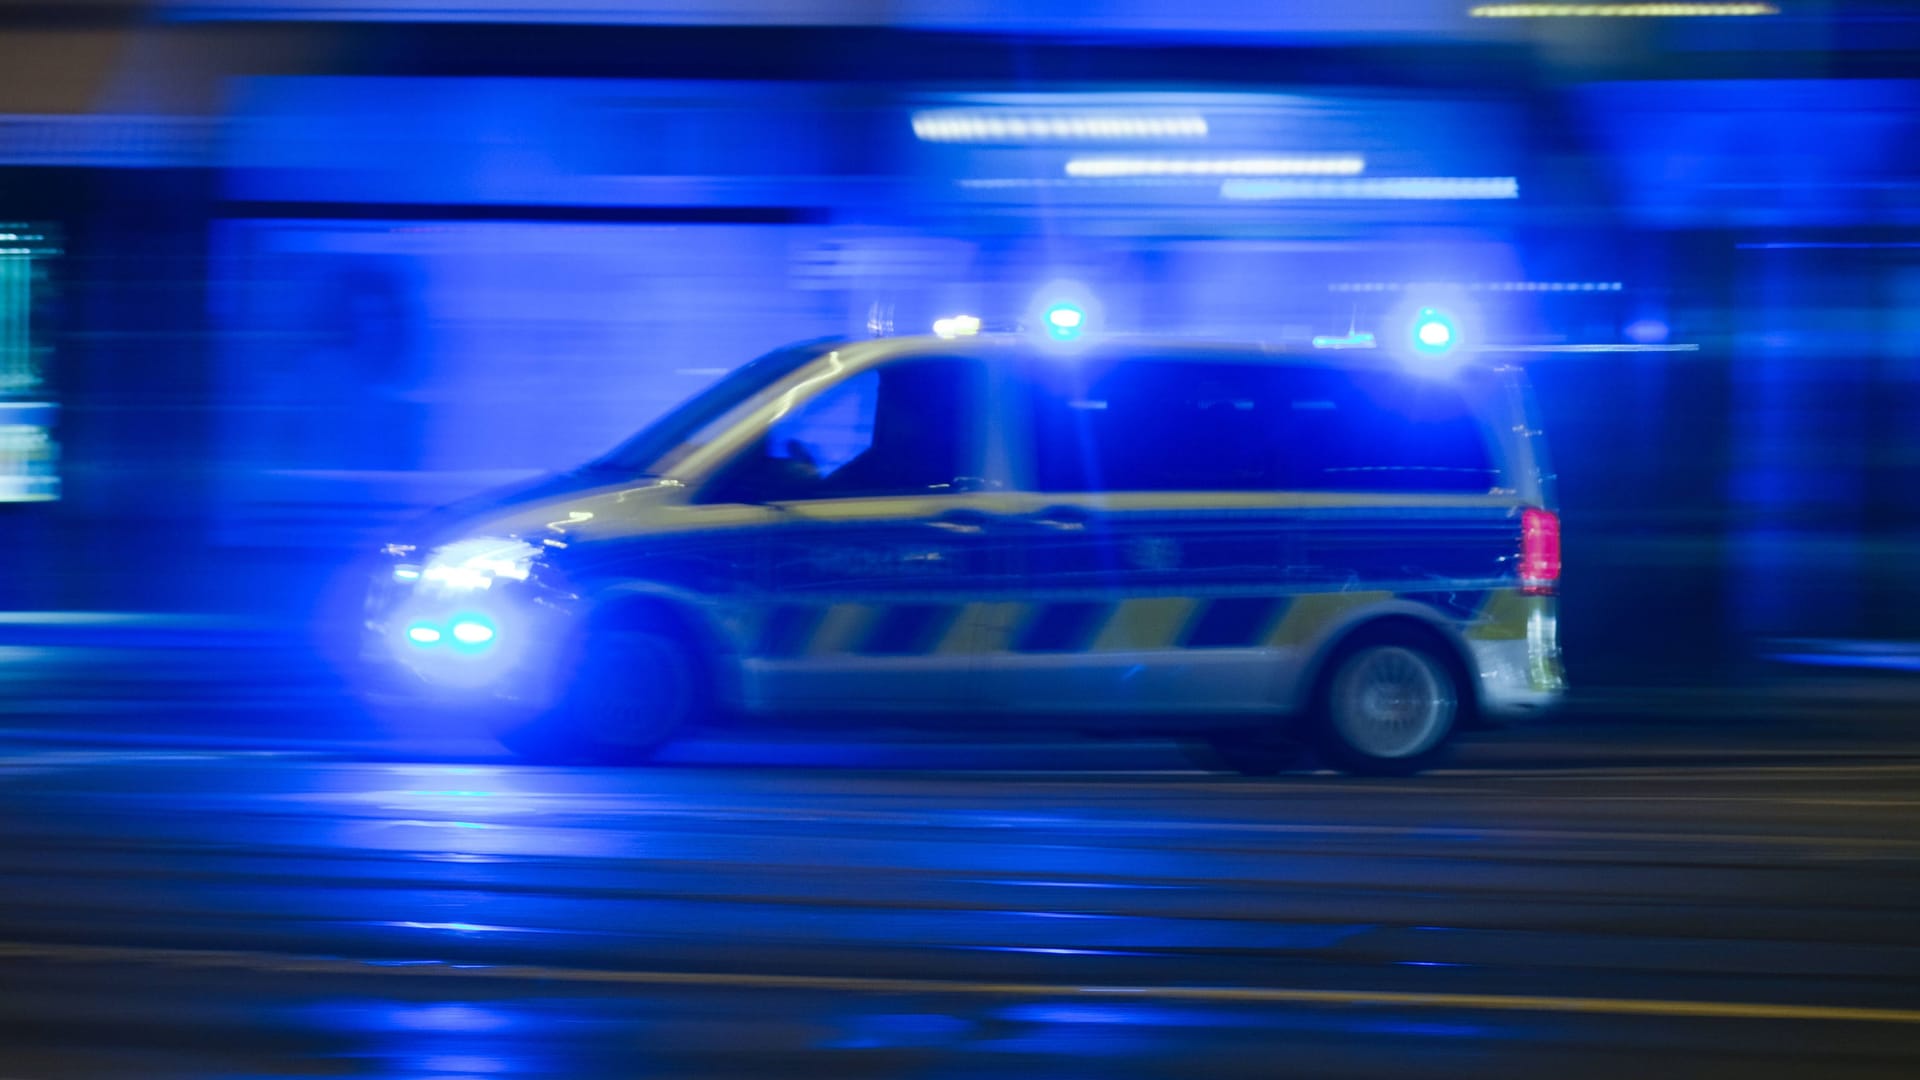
[{"x": 476, "y": 563}]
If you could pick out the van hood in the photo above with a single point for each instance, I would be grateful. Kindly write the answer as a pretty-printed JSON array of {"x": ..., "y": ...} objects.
[{"x": 579, "y": 503}]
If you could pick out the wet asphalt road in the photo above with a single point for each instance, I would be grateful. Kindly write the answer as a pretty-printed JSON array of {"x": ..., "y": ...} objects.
[{"x": 1712, "y": 900}]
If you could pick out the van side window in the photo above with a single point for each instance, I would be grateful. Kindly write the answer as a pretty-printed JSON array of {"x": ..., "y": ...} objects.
[
  {"x": 830, "y": 431},
  {"x": 1196, "y": 425},
  {"x": 905, "y": 429}
]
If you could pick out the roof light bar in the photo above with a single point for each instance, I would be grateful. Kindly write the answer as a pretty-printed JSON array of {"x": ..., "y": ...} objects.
[
  {"x": 957, "y": 326},
  {"x": 1318, "y": 165},
  {"x": 1394, "y": 187},
  {"x": 968, "y": 125}
]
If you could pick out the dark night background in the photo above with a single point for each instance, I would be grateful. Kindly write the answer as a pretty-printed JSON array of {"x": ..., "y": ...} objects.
[{"x": 276, "y": 277}]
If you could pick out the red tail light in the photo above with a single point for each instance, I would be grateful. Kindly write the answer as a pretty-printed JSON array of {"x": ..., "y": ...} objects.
[{"x": 1539, "y": 552}]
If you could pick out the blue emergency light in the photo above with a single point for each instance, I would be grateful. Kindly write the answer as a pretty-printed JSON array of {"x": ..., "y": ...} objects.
[
  {"x": 468, "y": 633},
  {"x": 1433, "y": 332},
  {"x": 1064, "y": 321},
  {"x": 472, "y": 632}
]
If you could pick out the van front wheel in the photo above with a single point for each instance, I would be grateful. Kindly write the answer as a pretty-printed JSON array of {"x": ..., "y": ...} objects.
[
  {"x": 1388, "y": 704},
  {"x": 634, "y": 688}
]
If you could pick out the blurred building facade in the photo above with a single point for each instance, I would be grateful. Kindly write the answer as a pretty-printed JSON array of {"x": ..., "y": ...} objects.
[{"x": 321, "y": 265}]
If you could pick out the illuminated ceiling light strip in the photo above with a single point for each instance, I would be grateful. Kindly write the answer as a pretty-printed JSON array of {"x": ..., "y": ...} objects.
[
  {"x": 1804, "y": 245},
  {"x": 1628, "y": 11},
  {"x": 1321, "y": 165},
  {"x": 1623, "y": 347},
  {"x": 987, "y": 183},
  {"x": 958, "y": 125},
  {"x": 1395, "y": 187},
  {"x": 1477, "y": 286}
]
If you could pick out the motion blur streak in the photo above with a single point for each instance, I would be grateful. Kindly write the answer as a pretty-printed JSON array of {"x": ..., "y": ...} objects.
[
  {"x": 960, "y": 126},
  {"x": 1254, "y": 166},
  {"x": 1476, "y": 286},
  {"x": 1630, "y": 11},
  {"x": 1399, "y": 187},
  {"x": 1624, "y": 346},
  {"x": 932, "y": 539},
  {"x": 315, "y": 965},
  {"x": 1667, "y": 893}
]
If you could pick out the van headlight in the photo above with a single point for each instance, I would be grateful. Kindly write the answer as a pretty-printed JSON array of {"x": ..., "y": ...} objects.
[{"x": 478, "y": 562}]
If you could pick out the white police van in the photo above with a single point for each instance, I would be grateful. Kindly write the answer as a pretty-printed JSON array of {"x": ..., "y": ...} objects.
[{"x": 1263, "y": 548}]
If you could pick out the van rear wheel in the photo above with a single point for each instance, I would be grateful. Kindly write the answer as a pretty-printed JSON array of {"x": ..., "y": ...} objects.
[{"x": 1388, "y": 703}]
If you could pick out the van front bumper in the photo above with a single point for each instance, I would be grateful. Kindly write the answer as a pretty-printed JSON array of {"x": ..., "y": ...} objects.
[{"x": 520, "y": 663}]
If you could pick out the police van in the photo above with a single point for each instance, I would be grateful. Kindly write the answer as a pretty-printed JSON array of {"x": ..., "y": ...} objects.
[{"x": 1265, "y": 550}]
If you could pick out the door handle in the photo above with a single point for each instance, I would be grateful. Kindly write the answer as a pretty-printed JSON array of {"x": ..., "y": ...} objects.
[{"x": 1062, "y": 517}]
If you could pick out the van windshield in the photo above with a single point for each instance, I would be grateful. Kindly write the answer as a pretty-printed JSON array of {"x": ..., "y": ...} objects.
[{"x": 665, "y": 441}]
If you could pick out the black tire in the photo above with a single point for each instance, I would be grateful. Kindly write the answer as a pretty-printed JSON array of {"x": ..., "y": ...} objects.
[
  {"x": 1388, "y": 702},
  {"x": 634, "y": 685},
  {"x": 1250, "y": 753}
]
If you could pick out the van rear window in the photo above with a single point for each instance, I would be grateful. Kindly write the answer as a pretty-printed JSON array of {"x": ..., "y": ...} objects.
[{"x": 1203, "y": 425}]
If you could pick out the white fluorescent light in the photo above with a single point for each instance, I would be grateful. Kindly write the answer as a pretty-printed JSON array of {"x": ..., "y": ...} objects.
[
  {"x": 1392, "y": 187},
  {"x": 1322, "y": 165},
  {"x": 1804, "y": 245},
  {"x": 969, "y": 125},
  {"x": 1629, "y": 11},
  {"x": 989, "y": 183},
  {"x": 957, "y": 326},
  {"x": 1622, "y": 347},
  {"x": 1476, "y": 286}
]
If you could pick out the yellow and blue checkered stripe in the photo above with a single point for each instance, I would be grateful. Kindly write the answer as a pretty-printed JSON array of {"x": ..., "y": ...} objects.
[{"x": 794, "y": 631}]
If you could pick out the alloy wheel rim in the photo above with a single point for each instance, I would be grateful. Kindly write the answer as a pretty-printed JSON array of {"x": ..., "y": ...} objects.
[{"x": 1392, "y": 702}]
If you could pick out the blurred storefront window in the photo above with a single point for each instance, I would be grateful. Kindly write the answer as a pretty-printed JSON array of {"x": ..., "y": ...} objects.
[{"x": 29, "y": 455}]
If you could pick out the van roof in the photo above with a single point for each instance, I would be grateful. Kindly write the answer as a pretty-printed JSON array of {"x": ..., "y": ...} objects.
[{"x": 1120, "y": 347}]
